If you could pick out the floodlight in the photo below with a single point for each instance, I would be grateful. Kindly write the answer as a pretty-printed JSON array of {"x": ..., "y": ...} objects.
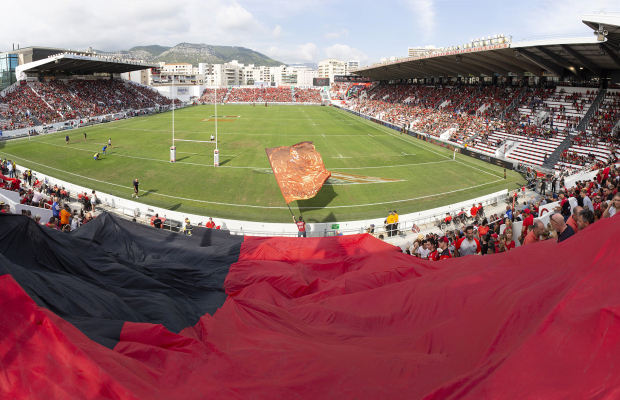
[{"x": 601, "y": 33}]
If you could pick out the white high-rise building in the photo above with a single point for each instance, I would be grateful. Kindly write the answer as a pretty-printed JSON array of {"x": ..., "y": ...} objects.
[
  {"x": 330, "y": 67},
  {"x": 352, "y": 65}
]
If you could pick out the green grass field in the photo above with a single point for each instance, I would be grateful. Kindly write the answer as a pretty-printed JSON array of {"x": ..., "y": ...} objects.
[{"x": 422, "y": 175}]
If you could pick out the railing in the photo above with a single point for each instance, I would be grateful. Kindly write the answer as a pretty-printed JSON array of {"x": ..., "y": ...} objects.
[
  {"x": 585, "y": 121},
  {"x": 513, "y": 104},
  {"x": 9, "y": 89}
]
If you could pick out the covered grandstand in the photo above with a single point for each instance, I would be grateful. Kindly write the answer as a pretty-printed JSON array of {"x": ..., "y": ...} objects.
[
  {"x": 552, "y": 103},
  {"x": 57, "y": 87}
]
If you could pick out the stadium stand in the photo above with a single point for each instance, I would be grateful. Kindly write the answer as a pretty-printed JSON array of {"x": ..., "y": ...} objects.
[
  {"x": 307, "y": 95},
  {"x": 39, "y": 103},
  {"x": 208, "y": 95},
  {"x": 255, "y": 95},
  {"x": 530, "y": 125}
]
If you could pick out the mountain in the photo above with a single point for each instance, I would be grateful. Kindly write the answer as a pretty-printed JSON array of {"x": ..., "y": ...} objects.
[
  {"x": 313, "y": 66},
  {"x": 197, "y": 53}
]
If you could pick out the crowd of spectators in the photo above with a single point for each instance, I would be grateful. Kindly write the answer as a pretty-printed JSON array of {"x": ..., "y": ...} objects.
[
  {"x": 56, "y": 101},
  {"x": 578, "y": 207},
  {"x": 259, "y": 95},
  {"x": 39, "y": 195},
  {"x": 308, "y": 96},
  {"x": 338, "y": 91},
  {"x": 209, "y": 95}
]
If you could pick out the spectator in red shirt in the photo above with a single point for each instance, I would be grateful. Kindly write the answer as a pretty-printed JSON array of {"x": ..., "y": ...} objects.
[
  {"x": 510, "y": 243},
  {"x": 210, "y": 224},
  {"x": 301, "y": 226},
  {"x": 529, "y": 219},
  {"x": 442, "y": 251},
  {"x": 473, "y": 211},
  {"x": 534, "y": 235}
]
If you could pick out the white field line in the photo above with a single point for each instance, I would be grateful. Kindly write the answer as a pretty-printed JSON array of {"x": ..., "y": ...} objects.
[
  {"x": 393, "y": 166},
  {"x": 141, "y": 158},
  {"x": 381, "y": 128},
  {"x": 467, "y": 165},
  {"x": 251, "y": 206},
  {"x": 384, "y": 129},
  {"x": 228, "y": 166}
]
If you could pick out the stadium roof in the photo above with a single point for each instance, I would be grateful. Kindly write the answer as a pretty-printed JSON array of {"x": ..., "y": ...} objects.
[
  {"x": 562, "y": 57},
  {"x": 81, "y": 64}
]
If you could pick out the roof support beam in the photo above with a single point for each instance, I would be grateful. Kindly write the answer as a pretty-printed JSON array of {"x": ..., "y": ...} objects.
[
  {"x": 515, "y": 69},
  {"x": 468, "y": 63},
  {"x": 449, "y": 70},
  {"x": 611, "y": 52},
  {"x": 557, "y": 58},
  {"x": 487, "y": 65},
  {"x": 541, "y": 62},
  {"x": 527, "y": 66},
  {"x": 588, "y": 64}
]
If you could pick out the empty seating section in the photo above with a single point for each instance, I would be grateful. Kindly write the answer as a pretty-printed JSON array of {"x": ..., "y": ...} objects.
[
  {"x": 42, "y": 103},
  {"x": 565, "y": 110},
  {"x": 599, "y": 142}
]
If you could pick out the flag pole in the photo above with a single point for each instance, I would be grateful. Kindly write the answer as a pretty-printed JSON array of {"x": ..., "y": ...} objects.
[
  {"x": 289, "y": 208},
  {"x": 173, "y": 109}
]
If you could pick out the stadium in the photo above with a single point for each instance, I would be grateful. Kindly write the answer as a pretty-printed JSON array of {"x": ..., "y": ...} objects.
[{"x": 175, "y": 261}]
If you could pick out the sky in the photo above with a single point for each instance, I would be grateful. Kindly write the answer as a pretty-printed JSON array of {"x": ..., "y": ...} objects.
[{"x": 291, "y": 31}]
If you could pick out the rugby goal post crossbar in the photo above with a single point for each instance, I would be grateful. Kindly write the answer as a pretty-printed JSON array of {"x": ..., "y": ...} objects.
[{"x": 197, "y": 141}]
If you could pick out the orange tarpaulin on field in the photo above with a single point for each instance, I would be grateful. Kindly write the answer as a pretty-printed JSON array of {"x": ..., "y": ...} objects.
[{"x": 298, "y": 169}]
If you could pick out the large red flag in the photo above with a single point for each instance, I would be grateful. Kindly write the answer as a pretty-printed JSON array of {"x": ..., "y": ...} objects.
[
  {"x": 298, "y": 169},
  {"x": 117, "y": 310}
]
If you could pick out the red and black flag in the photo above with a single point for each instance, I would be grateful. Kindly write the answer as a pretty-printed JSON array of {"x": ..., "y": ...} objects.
[
  {"x": 118, "y": 310},
  {"x": 298, "y": 169}
]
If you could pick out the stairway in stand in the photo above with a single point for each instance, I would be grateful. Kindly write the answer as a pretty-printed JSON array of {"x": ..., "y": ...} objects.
[
  {"x": 226, "y": 95},
  {"x": 585, "y": 121},
  {"x": 554, "y": 157}
]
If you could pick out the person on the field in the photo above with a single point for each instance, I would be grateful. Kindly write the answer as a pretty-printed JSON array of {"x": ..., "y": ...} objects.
[
  {"x": 103, "y": 149},
  {"x": 96, "y": 157},
  {"x": 301, "y": 226},
  {"x": 212, "y": 137},
  {"x": 135, "y": 188},
  {"x": 67, "y": 139},
  {"x": 110, "y": 142},
  {"x": 84, "y": 135}
]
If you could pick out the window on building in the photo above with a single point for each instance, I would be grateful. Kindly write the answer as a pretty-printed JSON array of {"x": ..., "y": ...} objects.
[{"x": 8, "y": 63}]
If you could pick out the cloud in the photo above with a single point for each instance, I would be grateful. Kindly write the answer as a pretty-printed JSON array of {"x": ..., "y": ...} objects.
[
  {"x": 118, "y": 25},
  {"x": 345, "y": 53},
  {"x": 277, "y": 32},
  {"x": 308, "y": 52},
  {"x": 337, "y": 35},
  {"x": 424, "y": 16},
  {"x": 555, "y": 17}
]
